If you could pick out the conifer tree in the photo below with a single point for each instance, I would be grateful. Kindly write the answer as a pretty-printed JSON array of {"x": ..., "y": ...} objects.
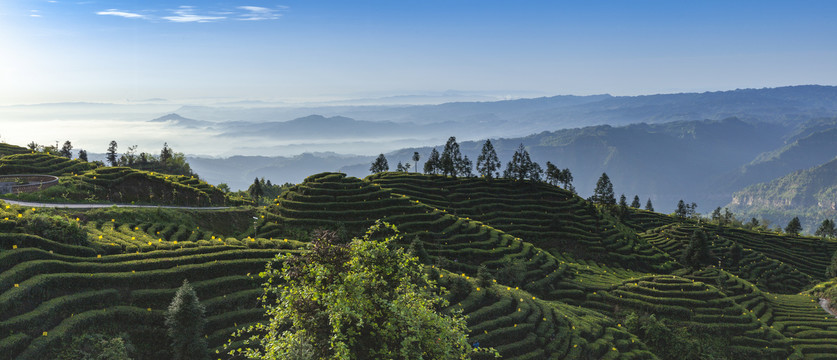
[
  {"x": 635, "y": 204},
  {"x": 648, "y": 205},
  {"x": 736, "y": 252},
  {"x": 603, "y": 194},
  {"x": 697, "y": 253},
  {"x": 521, "y": 166},
  {"x": 553, "y": 174},
  {"x": 682, "y": 211},
  {"x": 567, "y": 179},
  {"x": 111, "y": 153},
  {"x": 484, "y": 277},
  {"x": 165, "y": 154},
  {"x": 451, "y": 160},
  {"x": 185, "y": 322},
  {"x": 794, "y": 226},
  {"x": 831, "y": 270},
  {"x": 379, "y": 165},
  {"x": 826, "y": 229},
  {"x": 82, "y": 155},
  {"x": 488, "y": 164},
  {"x": 465, "y": 167},
  {"x": 431, "y": 166},
  {"x": 256, "y": 190}
]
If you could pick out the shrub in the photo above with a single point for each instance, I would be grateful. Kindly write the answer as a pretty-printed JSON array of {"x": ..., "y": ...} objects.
[{"x": 55, "y": 228}]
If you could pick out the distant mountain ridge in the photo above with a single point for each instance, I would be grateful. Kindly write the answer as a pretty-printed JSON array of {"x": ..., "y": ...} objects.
[{"x": 810, "y": 194}]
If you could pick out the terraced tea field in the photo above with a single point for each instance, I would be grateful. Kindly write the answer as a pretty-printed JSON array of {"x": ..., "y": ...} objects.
[{"x": 562, "y": 274}]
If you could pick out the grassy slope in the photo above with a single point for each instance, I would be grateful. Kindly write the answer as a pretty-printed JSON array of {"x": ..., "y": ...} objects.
[
  {"x": 580, "y": 273},
  {"x": 86, "y": 182}
]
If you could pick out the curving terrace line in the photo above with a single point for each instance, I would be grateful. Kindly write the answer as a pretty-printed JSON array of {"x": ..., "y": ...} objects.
[{"x": 99, "y": 206}]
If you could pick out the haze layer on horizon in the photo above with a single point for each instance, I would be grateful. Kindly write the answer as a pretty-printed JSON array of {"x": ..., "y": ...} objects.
[{"x": 293, "y": 51}]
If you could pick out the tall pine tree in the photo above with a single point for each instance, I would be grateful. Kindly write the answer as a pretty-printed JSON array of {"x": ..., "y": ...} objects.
[
  {"x": 488, "y": 164},
  {"x": 603, "y": 194},
  {"x": 432, "y": 166},
  {"x": 185, "y": 320}
]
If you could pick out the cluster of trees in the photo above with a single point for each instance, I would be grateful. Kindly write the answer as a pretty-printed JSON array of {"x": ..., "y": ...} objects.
[
  {"x": 261, "y": 191},
  {"x": 685, "y": 210},
  {"x": 826, "y": 229},
  {"x": 603, "y": 194},
  {"x": 451, "y": 162},
  {"x": 185, "y": 321},
  {"x": 65, "y": 150},
  {"x": 168, "y": 162}
]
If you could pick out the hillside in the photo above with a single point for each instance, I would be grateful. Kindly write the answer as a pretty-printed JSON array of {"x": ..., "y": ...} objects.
[
  {"x": 641, "y": 158},
  {"x": 81, "y": 181},
  {"x": 809, "y": 194},
  {"x": 571, "y": 279},
  {"x": 810, "y": 145}
]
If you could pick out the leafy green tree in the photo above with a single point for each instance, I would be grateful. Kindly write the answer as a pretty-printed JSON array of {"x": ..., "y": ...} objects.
[
  {"x": 667, "y": 341},
  {"x": 33, "y": 146},
  {"x": 400, "y": 167},
  {"x": 794, "y": 226},
  {"x": 754, "y": 223},
  {"x": 111, "y": 153},
  {"x": 716, "y": 215},
  {"x": 82, "y": 155},
  {"x": 623, "y": 201},
  {"x": 416, "y": 158},
  {"x": 432, "y": 165},
  {"x": 511, "y": 272},
  {"x": 367, "y": 299},
  {"x": 95, "y": 347},
  {"x": 697, "y": 252},
  {"x": 488, "y": 164},
  {"x": 553, "y": 174},
  {"x": 256, "y": 190},
  {"x": 567, "y": 180},
  {"x": 379, "y": 165},
  {"x": 826, "y": 229},
  {"x": 603, "y": 194},
  {"x": 635, "y": 204},
  {"x": 648, "y": 205},
  {"x": 67, "y": 150},
  {"x": 729, "y": 217},
  {"x": 185, "y": 322}
]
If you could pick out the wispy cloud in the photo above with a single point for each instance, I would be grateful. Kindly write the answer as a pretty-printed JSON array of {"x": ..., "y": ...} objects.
[
  {"x": 256, "y": 13},
  {"x": 125, "y": 14},
  {"x": 34, "y": 13},
  {"x": 187, "y": 14},
  {"x": 191, "y": 14}
]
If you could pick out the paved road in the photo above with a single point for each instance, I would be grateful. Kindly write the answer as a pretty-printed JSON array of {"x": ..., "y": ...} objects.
[{"x": 98, "y": 206}]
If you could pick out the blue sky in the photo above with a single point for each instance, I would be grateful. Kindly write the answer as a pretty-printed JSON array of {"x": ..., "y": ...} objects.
[{"x": 76, "y": 50}]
